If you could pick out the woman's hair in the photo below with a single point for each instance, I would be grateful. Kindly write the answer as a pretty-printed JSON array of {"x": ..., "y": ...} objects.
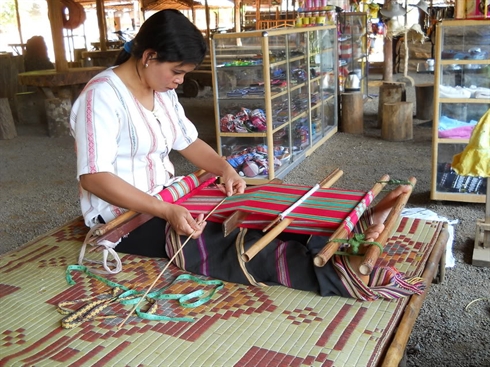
[{"x": 171, "y": 35}]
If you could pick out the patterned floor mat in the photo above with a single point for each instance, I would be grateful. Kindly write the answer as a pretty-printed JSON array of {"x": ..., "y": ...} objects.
[{"x": 240, "y": 326}]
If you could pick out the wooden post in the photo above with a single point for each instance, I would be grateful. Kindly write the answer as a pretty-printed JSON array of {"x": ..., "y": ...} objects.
[
  {"x": 390, "y": 92},
  {"x": 102, "y": 24},
  {"x": 424, "y": 101},
  {"x": 352, "y": 113},
  {"x": 56, "y": 22},
  {"x": 397, "y": 121},
  {"x": 238, "y": 20},
  {"x": 388, "y": 59}
]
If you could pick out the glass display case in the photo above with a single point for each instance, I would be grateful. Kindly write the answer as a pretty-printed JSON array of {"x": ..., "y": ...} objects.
[
  {"x": 353, "y": 49},
  {"x": 461, "y": 97},
  {"x": 275, "y": 95}
]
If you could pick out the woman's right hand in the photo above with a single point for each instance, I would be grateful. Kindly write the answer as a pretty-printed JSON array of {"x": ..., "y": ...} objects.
[{"x": 182, "y": 221}]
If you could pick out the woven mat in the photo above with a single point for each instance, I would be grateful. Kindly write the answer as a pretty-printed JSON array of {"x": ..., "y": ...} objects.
[{"x": 240, "y": 326}]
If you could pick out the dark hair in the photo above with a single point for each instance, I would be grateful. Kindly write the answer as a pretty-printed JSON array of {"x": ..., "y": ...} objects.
[{"x": 173, "y": 37}]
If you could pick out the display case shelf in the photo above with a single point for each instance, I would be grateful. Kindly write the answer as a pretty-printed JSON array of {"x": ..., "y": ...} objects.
[
  {"x": 275, "y": 96},
  {"x": 461, "y": 98}
]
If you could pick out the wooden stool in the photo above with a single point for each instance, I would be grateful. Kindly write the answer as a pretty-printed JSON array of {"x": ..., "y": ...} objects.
[
  {"x": 352, "y": 120},
  {"x": 390, "y": 92},
  {"x": 397, "y": 121},
  {"x": 424, "y": 101}
]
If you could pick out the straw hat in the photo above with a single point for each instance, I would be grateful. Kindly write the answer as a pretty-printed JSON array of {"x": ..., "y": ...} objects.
[
  {"x": 422, "y": 5},
  {"x": 392, "y": 9}
]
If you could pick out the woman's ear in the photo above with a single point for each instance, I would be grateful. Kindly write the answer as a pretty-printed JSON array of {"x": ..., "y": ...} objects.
[{"x": 147, "y": 56}]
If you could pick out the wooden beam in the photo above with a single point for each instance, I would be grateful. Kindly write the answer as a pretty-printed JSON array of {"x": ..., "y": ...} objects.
[
  {"x": 208, "y": 32},
  {"x": 18, "y": 23},
  {"x": 238, "y": 21},
  {"x": 102, "y": 24},
  {"x": 56, "y": 23}
]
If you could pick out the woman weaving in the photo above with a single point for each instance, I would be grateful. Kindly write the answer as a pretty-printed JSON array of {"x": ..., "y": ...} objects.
[{"x": 125, "y": 123}]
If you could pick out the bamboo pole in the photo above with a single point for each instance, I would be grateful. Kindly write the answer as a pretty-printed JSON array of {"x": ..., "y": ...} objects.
[
  {"x": 274, "y": 232},
  {"x": 373, "y": 252},
  {"x": 331, "y": 247}
]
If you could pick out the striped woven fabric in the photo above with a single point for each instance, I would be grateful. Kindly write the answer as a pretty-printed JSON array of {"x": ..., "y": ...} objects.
[
  {"x": 320, "y": 214},
  {"x": 181, "y": 190}
]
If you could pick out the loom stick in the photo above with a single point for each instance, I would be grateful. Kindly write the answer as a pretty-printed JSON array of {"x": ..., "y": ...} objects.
[
  {"x": 166, "y": 266},
  {"x": 273, "y": 233},
  {"x": 237, "y": 218},
  {"x": 342, "y": 232},
  {"x": 130, "y": 220},
  {"x": 286, "y": 212},
  {"x": 373, "y": 252}
]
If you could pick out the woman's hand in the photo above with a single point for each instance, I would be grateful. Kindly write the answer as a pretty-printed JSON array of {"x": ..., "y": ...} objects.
[
  {"x": 372, "y": 233},
  {"x": 182, "y": 221},
  {"x": 232, "y": 183},
  {"x": 203, "y": 156}
]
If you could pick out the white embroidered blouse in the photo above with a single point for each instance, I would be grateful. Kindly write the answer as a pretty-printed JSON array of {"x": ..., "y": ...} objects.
[{"x": 115, "y": 133}]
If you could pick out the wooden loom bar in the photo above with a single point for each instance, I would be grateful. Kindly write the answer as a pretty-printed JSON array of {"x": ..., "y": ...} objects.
[
  {"x": 373, "y": 252},
  {"x": 274, "y": 232},
  {"x": 331, "y": 247},
  {"x": 397, "y": 347}
]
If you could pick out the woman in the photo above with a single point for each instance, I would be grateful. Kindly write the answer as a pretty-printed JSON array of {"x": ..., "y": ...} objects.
[{"x": 127, "y": 120}]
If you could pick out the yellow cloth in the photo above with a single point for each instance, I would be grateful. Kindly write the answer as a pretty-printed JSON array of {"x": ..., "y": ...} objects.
[{"x": 475, "y": 158}]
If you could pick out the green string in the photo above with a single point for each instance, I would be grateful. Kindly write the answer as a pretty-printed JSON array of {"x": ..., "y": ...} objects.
[
  {"x": 130, "y": 296},
  {"x": 396, "y": 182},
  {"x": 355, "y": 242}
]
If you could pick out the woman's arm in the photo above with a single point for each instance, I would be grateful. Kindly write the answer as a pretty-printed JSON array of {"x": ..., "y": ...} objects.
[
  {"x": 116, "y": 191},
  {"x": 203, "y": 156}
]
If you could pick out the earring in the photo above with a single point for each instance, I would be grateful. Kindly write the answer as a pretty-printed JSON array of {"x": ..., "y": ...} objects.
[{"x": 146, "y": 65}]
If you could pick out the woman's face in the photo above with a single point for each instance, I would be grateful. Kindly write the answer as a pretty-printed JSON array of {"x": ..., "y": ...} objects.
[{"x": 164, "y": 76}]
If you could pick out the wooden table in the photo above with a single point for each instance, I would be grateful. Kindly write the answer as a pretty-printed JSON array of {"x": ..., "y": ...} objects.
[
  {"x": 101, "y": 58},
  {"x": 60, "y": 89}
]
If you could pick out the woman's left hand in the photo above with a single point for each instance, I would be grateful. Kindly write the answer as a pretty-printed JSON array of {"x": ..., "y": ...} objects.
[{"x": 232, "y": 183}]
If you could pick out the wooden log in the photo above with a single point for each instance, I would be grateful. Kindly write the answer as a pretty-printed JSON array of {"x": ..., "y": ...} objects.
[
  {"x": 390, "y": 92},
  {"x": 397, "y": 121},
  {"x": 7, "y": 126},
  {"x": 424, "y": 101},
  {"x": 58, "y": 116},
  {"x": 352, "y": 121}
]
